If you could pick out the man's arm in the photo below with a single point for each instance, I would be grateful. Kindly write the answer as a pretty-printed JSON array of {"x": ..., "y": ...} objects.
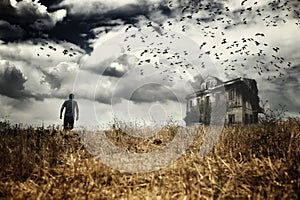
[
  {"x": 77, "y": 111},
  {"x": 61, "y": 110}
]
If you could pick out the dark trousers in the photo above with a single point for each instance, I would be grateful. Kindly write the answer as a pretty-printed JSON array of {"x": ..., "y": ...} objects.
[{"x": 68, "y": 122}]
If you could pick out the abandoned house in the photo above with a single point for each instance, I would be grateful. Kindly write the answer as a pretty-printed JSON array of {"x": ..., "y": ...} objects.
[{"x": 240, "y": 96}]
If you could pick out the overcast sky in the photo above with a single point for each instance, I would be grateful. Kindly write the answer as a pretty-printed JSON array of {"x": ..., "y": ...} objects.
[{"x": 138, "y": 59}]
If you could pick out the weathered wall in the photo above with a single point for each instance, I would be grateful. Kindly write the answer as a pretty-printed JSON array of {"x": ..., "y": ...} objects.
[{"x": 241, "y": 101}]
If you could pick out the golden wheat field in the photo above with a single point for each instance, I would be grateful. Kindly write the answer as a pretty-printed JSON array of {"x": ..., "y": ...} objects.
[{"x": 250, "y": 162}]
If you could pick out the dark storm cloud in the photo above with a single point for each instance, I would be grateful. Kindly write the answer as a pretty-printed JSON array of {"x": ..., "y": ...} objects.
[
  {"x": 126, "y": 61},
  {"x": 153, "y": 93},
  {"x": 25, "y": 14},
  {"x": 49, "y": 3},
  {"x": 26, "y": 20},
  {"x": 8, "y": 31},
  {"x": 78, "y": 24},
  {"x": 112, "y": 67},
  {"x": 12, "y": 83},
  {"x": 29, "y": 20},
  {"x": 77, "y": 27},
  {"x": 111, "y": 71}
]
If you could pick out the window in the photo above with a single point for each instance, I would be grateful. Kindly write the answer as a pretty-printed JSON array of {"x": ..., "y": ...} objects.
[
  {"x": 207, "y": 100},
  {"x": 238, "y": 99},
  {"x": 231, "y": 94},
  {"x": 231, "y": 119},
  {"x": 248, "y": 105},
  {"x": 247, "y": 119},
  {"x": 201, "y": 105}
]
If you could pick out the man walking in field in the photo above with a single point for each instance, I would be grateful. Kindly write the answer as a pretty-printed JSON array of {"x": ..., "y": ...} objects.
[{"x": 71, "y": 110}]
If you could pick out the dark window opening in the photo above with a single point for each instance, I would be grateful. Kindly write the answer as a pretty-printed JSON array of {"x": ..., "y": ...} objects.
[
  {"x": 231, "y": 94},
  {"x": 247, "y": 119},
  {"x": 231, "y": 119},
  {"x": 207, "y": 101}
]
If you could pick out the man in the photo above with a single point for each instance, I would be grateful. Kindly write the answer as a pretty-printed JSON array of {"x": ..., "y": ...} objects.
[{"x": 71, "y": 110}]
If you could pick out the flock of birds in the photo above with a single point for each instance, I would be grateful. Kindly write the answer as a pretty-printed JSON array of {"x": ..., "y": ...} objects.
[
  {"x": 45, "y": 47},
  {"x": 213, "y": 21}
]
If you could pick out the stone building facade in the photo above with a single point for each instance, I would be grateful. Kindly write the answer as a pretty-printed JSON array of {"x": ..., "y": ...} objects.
[{"x": 238, "y": 97}]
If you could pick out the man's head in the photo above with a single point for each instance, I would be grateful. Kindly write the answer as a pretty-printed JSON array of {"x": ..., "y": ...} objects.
[{"x": 71, "y": 96}]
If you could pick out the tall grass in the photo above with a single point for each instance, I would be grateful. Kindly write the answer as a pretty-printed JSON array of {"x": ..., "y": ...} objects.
[{"x": 248, "y": 162}]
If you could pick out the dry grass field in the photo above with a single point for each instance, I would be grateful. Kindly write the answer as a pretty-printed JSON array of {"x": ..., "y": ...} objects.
[{"x": 249, "y": 162}]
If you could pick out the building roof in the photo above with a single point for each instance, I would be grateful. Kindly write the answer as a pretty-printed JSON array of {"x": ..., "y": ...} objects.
[{"x": 250, "y": 83}]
